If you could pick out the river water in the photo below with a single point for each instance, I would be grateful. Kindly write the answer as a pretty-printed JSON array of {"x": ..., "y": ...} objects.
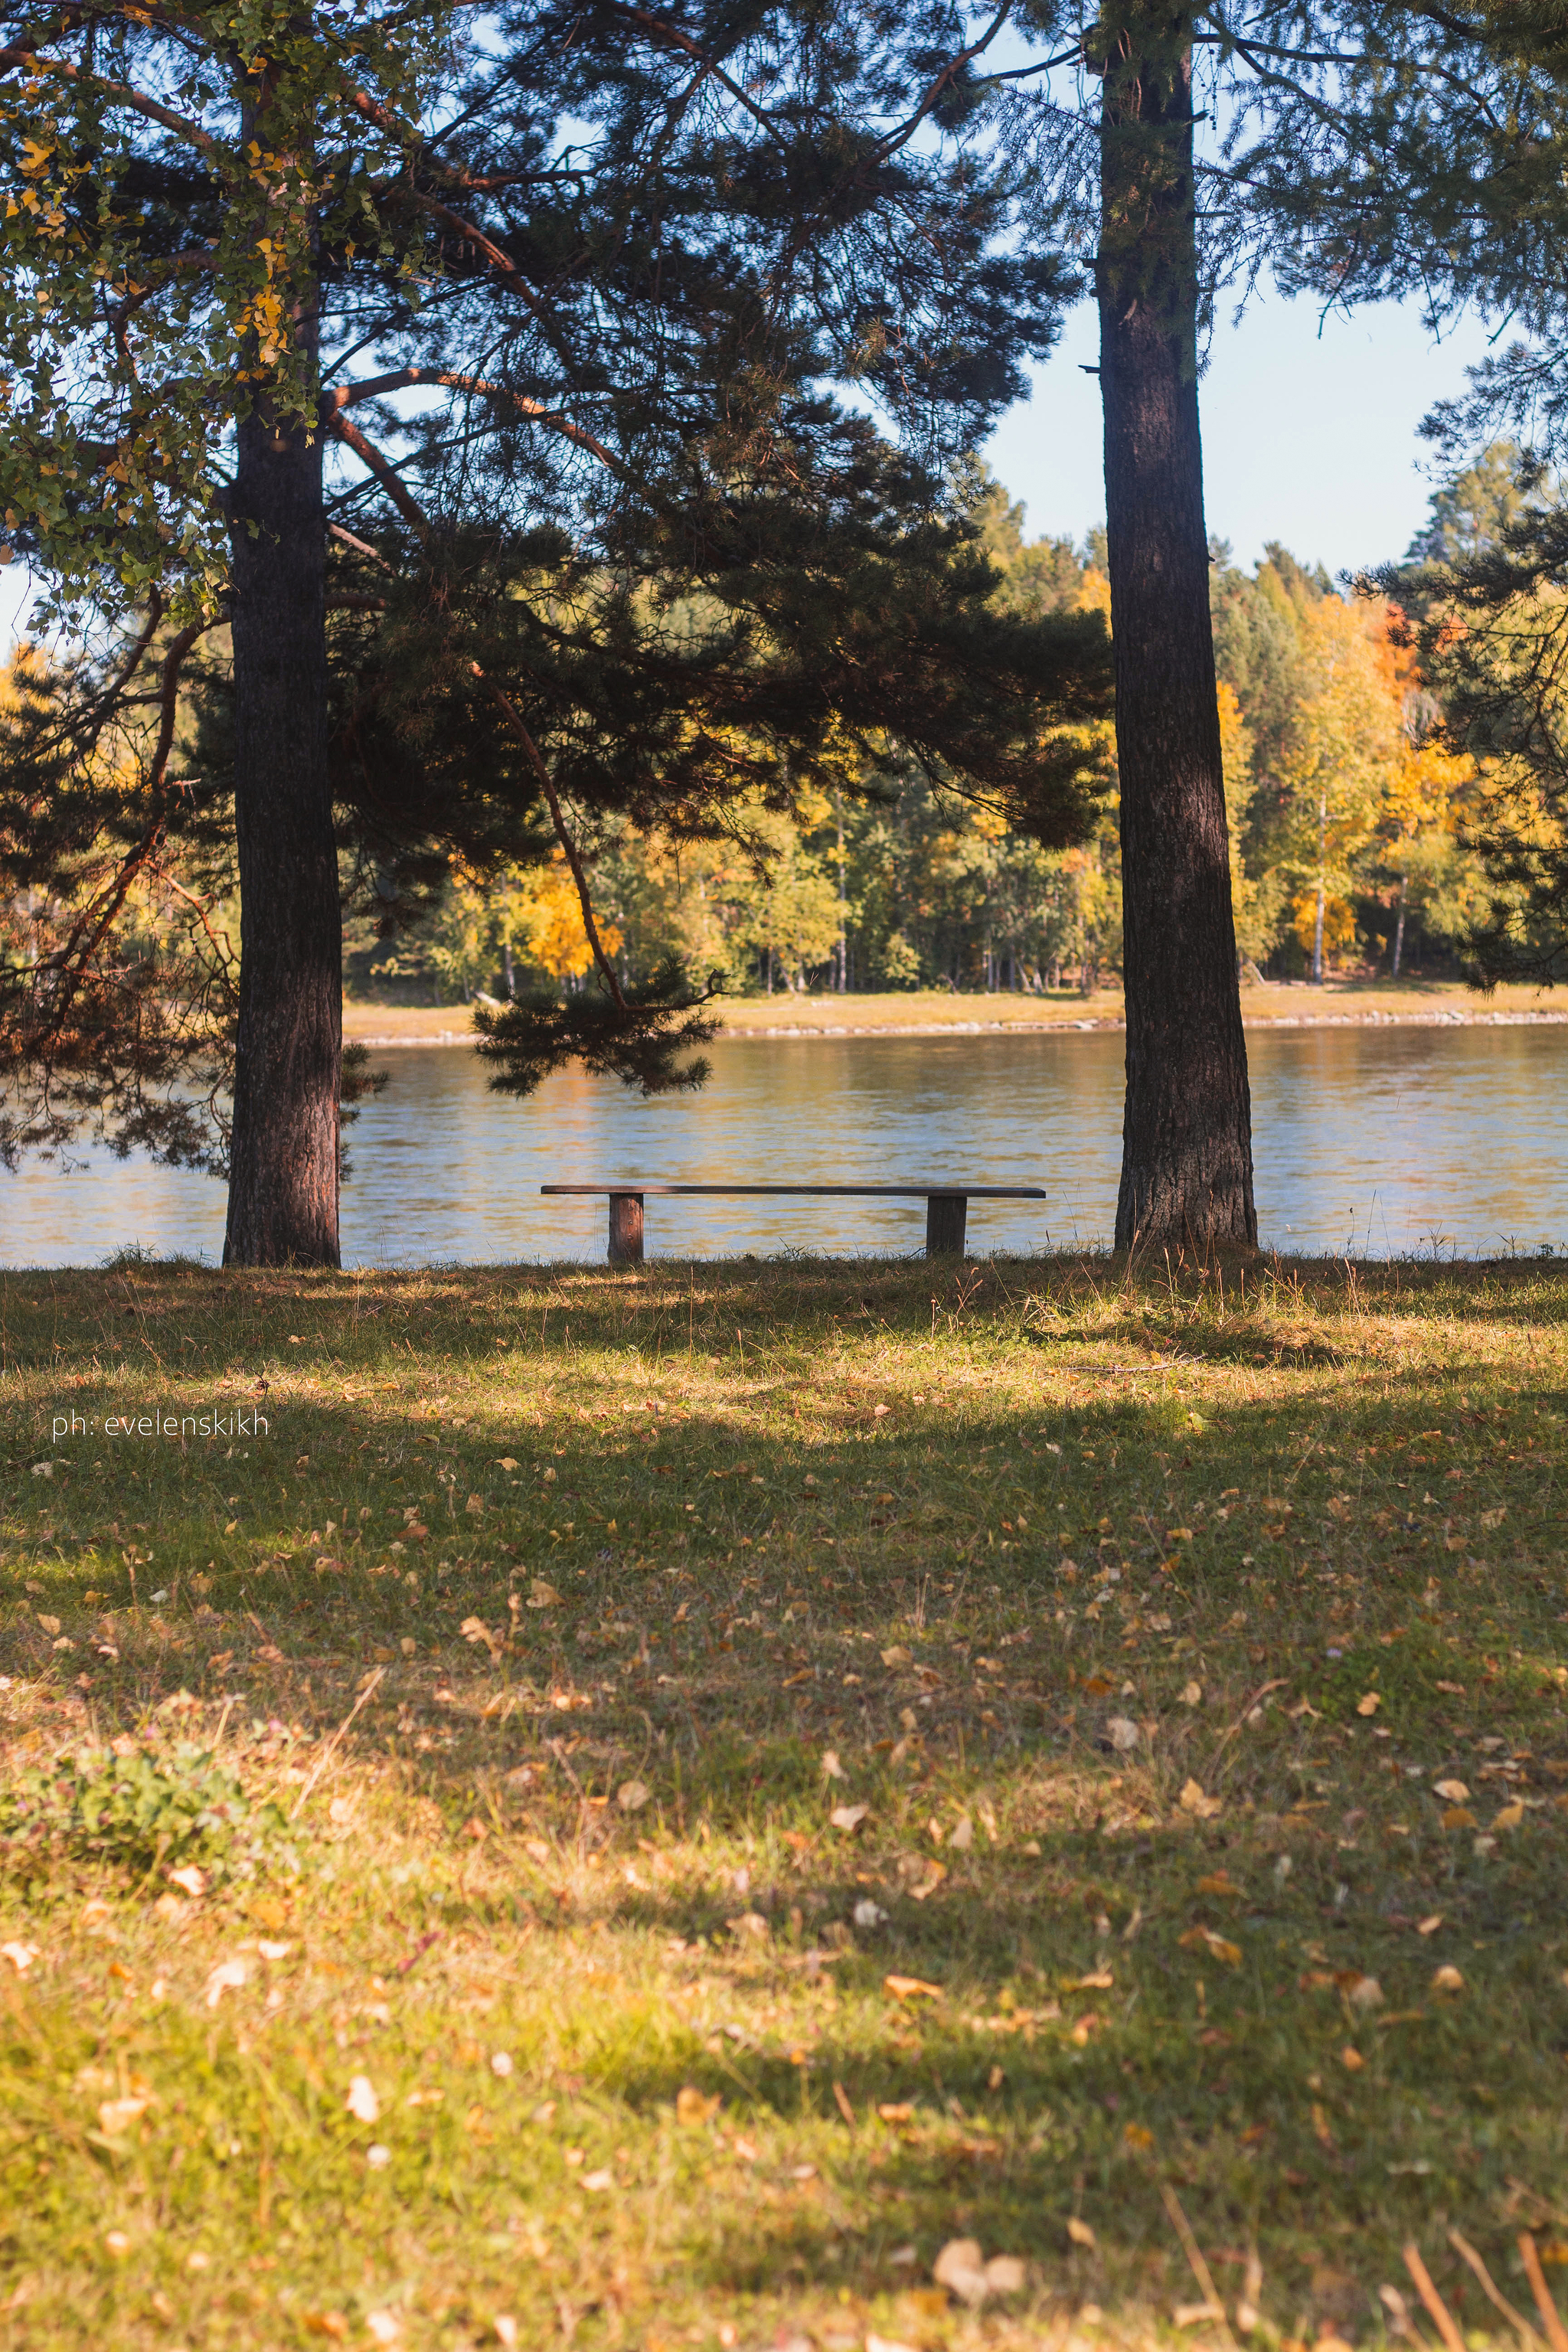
[{"x": 1376, "y": 1141}]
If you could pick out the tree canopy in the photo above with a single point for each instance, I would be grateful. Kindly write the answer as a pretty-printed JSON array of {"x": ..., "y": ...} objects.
[{"x": 566, "y": 295}]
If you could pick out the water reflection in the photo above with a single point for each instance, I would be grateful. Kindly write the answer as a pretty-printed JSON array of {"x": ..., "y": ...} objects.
[{"x": 1377, "y": 1141}]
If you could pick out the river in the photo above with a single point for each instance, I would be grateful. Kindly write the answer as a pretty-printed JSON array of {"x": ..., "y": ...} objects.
[{"x": 1374, "y": 1142}]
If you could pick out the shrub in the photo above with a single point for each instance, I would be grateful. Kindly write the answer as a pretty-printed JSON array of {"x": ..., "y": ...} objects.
[{"x": 140, "y": 1811}]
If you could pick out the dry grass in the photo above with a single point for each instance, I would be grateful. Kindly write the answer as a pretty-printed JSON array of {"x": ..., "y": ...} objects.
[
  {"x": 1145, "y": 1618},
  {"x": 931, "y": 1011}
]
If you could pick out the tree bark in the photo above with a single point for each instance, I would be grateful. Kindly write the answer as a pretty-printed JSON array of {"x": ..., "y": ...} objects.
[
  {"x": 1186, "y": 1172},
  {"x": 283, "y": 1179}
]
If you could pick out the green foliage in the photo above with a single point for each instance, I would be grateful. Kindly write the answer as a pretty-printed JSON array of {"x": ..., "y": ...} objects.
[
  {"x": 623, "y": 558},
  {"x": 634, "y": 1035},
  {"x": 138, "y": 1811},
  {"x": 1494, "y": 642}
]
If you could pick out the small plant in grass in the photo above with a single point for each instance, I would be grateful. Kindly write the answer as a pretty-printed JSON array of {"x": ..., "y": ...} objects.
[{"x": 139, "y": 1812}]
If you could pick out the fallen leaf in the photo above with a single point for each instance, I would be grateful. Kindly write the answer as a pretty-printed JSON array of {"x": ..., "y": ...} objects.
[
  {"x": 116, "y": 2243},
  {"x": 1204, "y": 1939},
  {"x": 1080, "y": 2231},
  {"x": 1447, "y": 1980},
  {"x": 362, "y": 2102},
  {"x": 692, "y": 2107},
  {"x": 875, "y": 2343},
  {"x": 227, "y": 1975},
  {"x": 1122, "y": 1733},
  {"x": 1495, "y": 1519},
  {"x": 1370, "y": 1704},
  {"x": 1431, "y": 1927},
  {"x": 910, "y": 1988},
  {"x": 896, "y": 2111},
  {"x": 1192, "y": 1800},
  {"x": 631, "y": 1796},
  {"x": 1100, "y": 1981},
  {"x": 541, "y": 1595},
  {"x": 1510, "y": 1818},
  {"x": 1455, "y": 1790},
  {"x": 831, "y": 1768},
  {"x": 1365, "y": 1993},
  {"x": 1352, "y": 2059},
  {"x": 597, "y": 2182},
  {"x": 326, "y": 2323},
  {"x": 1192, "y": 1694},
  {"x": 961, "y": 2268},
  {"x": 50, "y": 1624},
  {"x": 1191, "y": 2314},
  {"x": 384, "y": 2326},
  {"x": 897, "y": 1657},
  {"x": 1458, "y": 1817},
  {"x": 117, "y": 2116},
  {"x": 1138, "y": 2135},
  {"x": 962, "y": 1836},
  {"x": 21, "y": 1955},
  {"x": 848, "y": 1817},
  {"x": 505, "y": 1462}
]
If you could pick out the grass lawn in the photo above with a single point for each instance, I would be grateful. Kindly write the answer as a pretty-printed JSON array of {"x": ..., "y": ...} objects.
[{"x": 646, "y": 1805}]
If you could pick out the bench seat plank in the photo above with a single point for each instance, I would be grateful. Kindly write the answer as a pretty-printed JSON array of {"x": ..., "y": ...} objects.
[{"x": 634, "y": 1185}]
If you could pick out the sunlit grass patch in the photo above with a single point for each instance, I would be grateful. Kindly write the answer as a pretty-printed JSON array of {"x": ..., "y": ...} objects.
[{"x": 772, "y": 1771}]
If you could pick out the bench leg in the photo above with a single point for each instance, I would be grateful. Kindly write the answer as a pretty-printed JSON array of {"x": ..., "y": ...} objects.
[
  {"x": 946, "y": 1215},
  {"x": 626, "y": 1229}
]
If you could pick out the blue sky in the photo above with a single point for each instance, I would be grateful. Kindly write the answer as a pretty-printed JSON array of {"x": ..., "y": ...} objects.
[{"x": 1310, "y": 430}]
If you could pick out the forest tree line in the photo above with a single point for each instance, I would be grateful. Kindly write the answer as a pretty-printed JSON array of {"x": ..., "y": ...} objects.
[{"x": 1353, "y": 828}]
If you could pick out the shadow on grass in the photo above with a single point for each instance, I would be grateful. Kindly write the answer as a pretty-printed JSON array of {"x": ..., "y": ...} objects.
[{"x": 980, "y": 1587}]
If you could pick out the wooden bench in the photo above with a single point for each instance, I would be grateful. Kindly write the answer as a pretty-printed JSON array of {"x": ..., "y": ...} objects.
[{"x": 946, "y": 1206}]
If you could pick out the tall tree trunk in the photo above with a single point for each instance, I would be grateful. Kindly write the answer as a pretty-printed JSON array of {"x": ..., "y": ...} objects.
[
  {"x": 1187, "y": 1168},
  {"x": 283, "y": 1180},
  {"x": 1399, "y": 929},
  {"x": 1322, "y": 886}
]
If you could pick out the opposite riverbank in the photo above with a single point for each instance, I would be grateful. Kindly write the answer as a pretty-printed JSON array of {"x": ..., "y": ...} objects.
[{"x": 928, "y": 1012}]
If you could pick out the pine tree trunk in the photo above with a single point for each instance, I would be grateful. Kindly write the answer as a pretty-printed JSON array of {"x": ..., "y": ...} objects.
[
  {"x": 1186, "y": 1172},
  {"x": 283, "y": 1180},
  {"x": 1399, "y": 927}
]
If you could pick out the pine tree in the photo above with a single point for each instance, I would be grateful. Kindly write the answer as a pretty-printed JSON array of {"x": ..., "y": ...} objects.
[
  {"x": 1362, "y": 150},
  {"x": 442, "y": 373}
]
